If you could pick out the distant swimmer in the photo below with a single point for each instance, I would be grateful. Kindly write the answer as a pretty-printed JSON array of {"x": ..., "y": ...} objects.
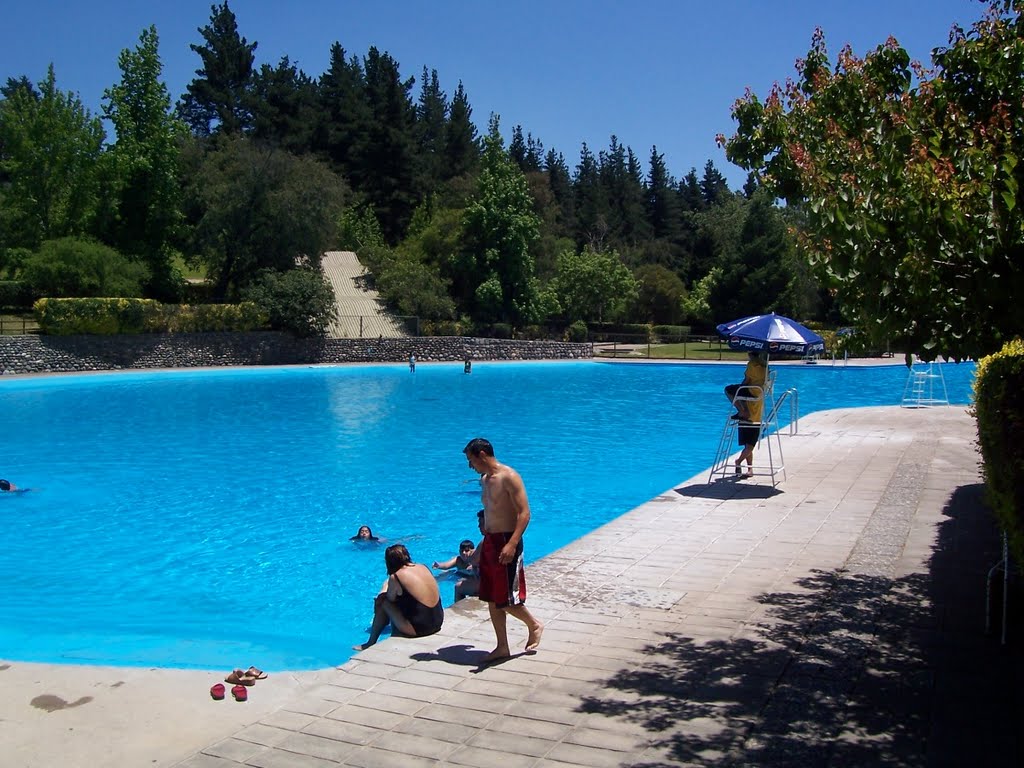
[
  {"x": 364, "y": 534},
  {"x": 7, "y": 485}
]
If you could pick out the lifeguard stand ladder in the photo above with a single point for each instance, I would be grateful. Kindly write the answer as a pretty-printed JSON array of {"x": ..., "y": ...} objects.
[
  {"x": 768, "y": 443},
  {"x": 925, "y": 384}
]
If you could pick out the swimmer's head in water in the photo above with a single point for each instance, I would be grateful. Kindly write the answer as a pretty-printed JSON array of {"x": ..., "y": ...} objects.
[
  {"x": 5, "y": 485},
  {"x": 363, "y": 533},
  {"x": 466, "y": 546}
]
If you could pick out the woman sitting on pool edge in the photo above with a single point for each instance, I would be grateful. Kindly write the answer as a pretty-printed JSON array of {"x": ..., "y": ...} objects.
[{"x": 409, "y": 600}]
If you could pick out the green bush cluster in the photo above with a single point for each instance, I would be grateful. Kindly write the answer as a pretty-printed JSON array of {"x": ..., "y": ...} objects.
[
  {"x": 16, "y": 294},
  {"x": 577, "y": 331},
  {"x": 998, "y": 383},
  {"x": 110, "y": 316}
]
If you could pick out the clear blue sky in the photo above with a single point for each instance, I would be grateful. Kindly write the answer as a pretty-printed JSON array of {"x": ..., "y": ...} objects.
[{"x": 654, "y": 72}]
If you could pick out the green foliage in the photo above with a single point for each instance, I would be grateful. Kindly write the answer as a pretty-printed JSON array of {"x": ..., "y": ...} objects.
[
  {"x": 359, "y": 229},
  {"x": 593, "y": 286},
  {"x": 911, "y": 189},
  {"x": 660, "y": 293},
  {"x": 218, "y": 100},
  {"x": 261, "y": 209},
  {"x": 298, "y": 301},
  {"x": 101, "y": 316},
  {"x": 146, "y": 189},
  {"x": 50, "y": 150},
  {"x": 998, "y": 383},
  {"x": 15, "y": 294},
  {"x": 577, "y": 331},
  {"x": 109, "y": 316},
  {"x": 413, "y": 288},
  {"x": 697, "y": 304},
  {"x": 500, "y": 227},
  {"x": 77, "y": 267}
]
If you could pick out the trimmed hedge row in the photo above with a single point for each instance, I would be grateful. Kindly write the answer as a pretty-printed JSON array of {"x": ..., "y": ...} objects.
[
  {"x": 998, "y": 407},
  {"x": 105, "y": 317}
]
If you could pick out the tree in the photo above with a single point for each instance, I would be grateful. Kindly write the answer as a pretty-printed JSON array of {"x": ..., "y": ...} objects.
[
  {"x": 660, "y": 294},
  {"x": 461, "y": 148},
  {"x": 284, "y": 104},
  {"x": 431, "y": 121},
  {"x": 145, "y": 161},
  {"x": 911, "y": 190},
  {"x": 591, "y": 201},
  {"x": 50, "y": 154},
  {"x": 218, "y": 99},
  {"x": 500, "y": 226},
  {"x": 593, "y": 286},
  {"x": 345, "y": 115},
  {"x": 387, "y": 175},
  {"x": 261, "y": 209}
]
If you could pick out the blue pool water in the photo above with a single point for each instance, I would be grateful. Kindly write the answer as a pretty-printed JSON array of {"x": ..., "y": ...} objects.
[{"x": 201, "y": 519}]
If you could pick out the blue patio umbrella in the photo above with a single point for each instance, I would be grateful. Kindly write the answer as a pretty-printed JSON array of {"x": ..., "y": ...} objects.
[{"x": 774, "y": 334}]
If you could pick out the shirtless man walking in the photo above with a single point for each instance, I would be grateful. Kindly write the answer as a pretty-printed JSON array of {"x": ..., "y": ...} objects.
[{"x": 506, "y": 515}]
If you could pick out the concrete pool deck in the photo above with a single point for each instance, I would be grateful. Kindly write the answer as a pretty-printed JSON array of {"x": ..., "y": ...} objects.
[{"x": 835, "y": 620}]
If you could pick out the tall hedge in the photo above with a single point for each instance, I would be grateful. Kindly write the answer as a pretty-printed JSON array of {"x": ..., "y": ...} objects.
[
  {"x": 67, "y": 317},
  {"x": 999, "y": 409}
]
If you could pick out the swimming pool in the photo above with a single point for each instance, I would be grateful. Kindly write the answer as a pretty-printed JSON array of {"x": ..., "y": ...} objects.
[{"x": 200, "y": 519}]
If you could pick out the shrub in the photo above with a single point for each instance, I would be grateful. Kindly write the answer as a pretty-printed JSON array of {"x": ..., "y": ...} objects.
[
  {"x": 576, "y": 332},
  {"x": 16, "y": 294},
  {"x": 66, "y": 317},
  {"x": 76, "y": 267},
  {"x": 998, "y": 382},
  {"x": 298, "y": 301}
]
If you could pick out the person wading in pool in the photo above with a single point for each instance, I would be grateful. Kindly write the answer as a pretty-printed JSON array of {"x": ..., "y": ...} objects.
[{"x": 506, "y": 515}]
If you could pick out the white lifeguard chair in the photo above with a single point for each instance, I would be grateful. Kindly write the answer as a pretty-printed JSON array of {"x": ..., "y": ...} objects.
[
  {"x": 925, "y": 384},
  {"x": 768, "y": 442}
]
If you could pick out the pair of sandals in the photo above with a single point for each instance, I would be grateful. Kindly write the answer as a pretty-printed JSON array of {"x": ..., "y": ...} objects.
[
  {"x": 740, "y": 474},
  {"x": 242, "y": 678}
]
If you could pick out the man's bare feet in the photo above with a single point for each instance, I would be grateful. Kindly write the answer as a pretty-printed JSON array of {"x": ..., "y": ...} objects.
[
  {"x": 533, "y": 638},
  {"x": 497, "y": 654}
]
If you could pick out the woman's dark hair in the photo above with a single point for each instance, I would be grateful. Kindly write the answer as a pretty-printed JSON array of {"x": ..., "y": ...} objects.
[
  {"x": 357, "y": 537},
  {"x": 395, "y": 557}
]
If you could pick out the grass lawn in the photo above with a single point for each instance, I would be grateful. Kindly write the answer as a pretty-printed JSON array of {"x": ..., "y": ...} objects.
[
  {"x": 693, "y": 350},
  {"x": 178, "y": 262}
]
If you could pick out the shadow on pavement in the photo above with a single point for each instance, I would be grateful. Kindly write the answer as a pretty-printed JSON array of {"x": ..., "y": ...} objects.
[{"x": 845, "y": 670}]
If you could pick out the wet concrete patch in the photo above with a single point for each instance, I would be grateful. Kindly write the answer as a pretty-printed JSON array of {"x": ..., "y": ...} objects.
[{"x": 50, "y": 703}]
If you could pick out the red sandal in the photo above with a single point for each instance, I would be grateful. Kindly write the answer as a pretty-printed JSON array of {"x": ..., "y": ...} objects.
[
  {"x": 217, "y": 691},
  {"x": 240, "y": 693}
]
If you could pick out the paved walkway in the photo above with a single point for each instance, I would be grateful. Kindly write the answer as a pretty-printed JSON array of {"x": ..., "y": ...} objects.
[
  {"x": 361, "y": 313},
  {"x": 834, "y": 621}
]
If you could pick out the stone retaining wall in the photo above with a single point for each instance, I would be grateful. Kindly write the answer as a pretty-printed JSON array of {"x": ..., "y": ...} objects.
[{"x": 52, "y": 354}]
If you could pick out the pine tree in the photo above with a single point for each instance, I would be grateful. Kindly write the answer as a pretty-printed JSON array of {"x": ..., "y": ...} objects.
[
  {"x": 462, "y": 151},
  {"x": 431, "y": 119},
  {"x": 662, "y": 203},
  {"x": 284, "y": 107},
  {"x": 713, "y": 187},
  {"x": 388, "y": 172},
  {"x": 591, "y": 202},
  {"x": 343, "y": 132},
  {"x": 217, "y": 100},
  {"x": 560, "y": 182}
]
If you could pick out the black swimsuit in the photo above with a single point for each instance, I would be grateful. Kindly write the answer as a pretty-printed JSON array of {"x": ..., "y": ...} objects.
[{"x": 425, "y": 620}]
